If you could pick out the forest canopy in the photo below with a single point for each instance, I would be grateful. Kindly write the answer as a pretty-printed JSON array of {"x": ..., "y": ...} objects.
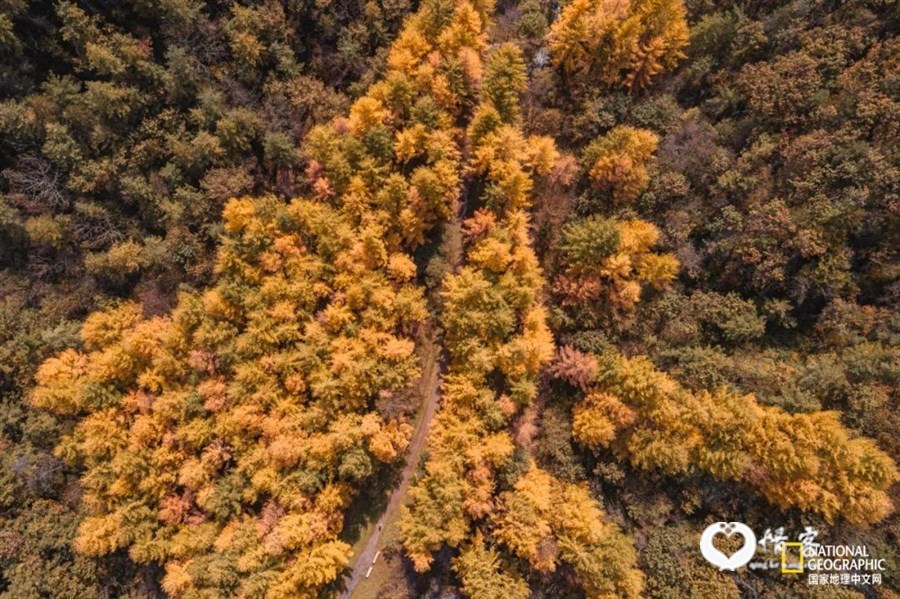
[{"x": 519, "y": 295}]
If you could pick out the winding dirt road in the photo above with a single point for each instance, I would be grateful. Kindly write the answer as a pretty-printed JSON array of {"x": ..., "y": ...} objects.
[{"x": 413, "y": 453}]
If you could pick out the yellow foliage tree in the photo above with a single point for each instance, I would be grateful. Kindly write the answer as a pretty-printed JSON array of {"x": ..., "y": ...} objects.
[
  {"x": 484, "y": 575},
  {"x": 617, "y": 162},
  {"x": 546, "y": 521},
  {"x": 806, "y": 461},
  {"x": 621, "y": 43},
  {"x": 611, "y": 260}
]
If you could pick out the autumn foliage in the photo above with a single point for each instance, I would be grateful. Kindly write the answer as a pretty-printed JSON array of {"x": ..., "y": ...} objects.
[
  {"x": 617, "y": 162},
  {"x": 619, "y": 43},
  {"x": 225, "y": 440},
  {"x": 658, "y": 266},
  {"x": 497, "y": 338},
  {"x": 607, "y": 263},
  {"x": 807, "y": 461}
]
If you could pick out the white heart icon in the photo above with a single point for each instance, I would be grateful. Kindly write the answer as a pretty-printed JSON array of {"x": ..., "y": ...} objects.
[{"x": 724, "y": 562}]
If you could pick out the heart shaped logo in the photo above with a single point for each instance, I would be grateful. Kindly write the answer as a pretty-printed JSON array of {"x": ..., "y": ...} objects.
[{"x": 724, "y": 562}]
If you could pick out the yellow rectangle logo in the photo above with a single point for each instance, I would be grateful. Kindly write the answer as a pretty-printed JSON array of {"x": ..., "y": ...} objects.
[{"x": 784, "y": 564}]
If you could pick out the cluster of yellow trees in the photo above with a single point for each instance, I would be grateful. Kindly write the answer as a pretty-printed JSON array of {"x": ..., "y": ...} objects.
[
  {"x": 808, "y": 461},
  {"x": 498, "y": 340},
  {"x": 225, "y": 440},
  {"x": 606, "y": 262},
  {"x": 620, "y": 43}
]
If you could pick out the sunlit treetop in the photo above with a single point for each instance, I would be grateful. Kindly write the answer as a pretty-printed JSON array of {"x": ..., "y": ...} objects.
[{"x": 620, "y": 43}]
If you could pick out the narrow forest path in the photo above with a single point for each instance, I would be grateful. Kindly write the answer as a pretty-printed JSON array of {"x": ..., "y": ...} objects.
[
  {"x": 413, "y": 454},
  {"x": 451, "y": 249}
]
